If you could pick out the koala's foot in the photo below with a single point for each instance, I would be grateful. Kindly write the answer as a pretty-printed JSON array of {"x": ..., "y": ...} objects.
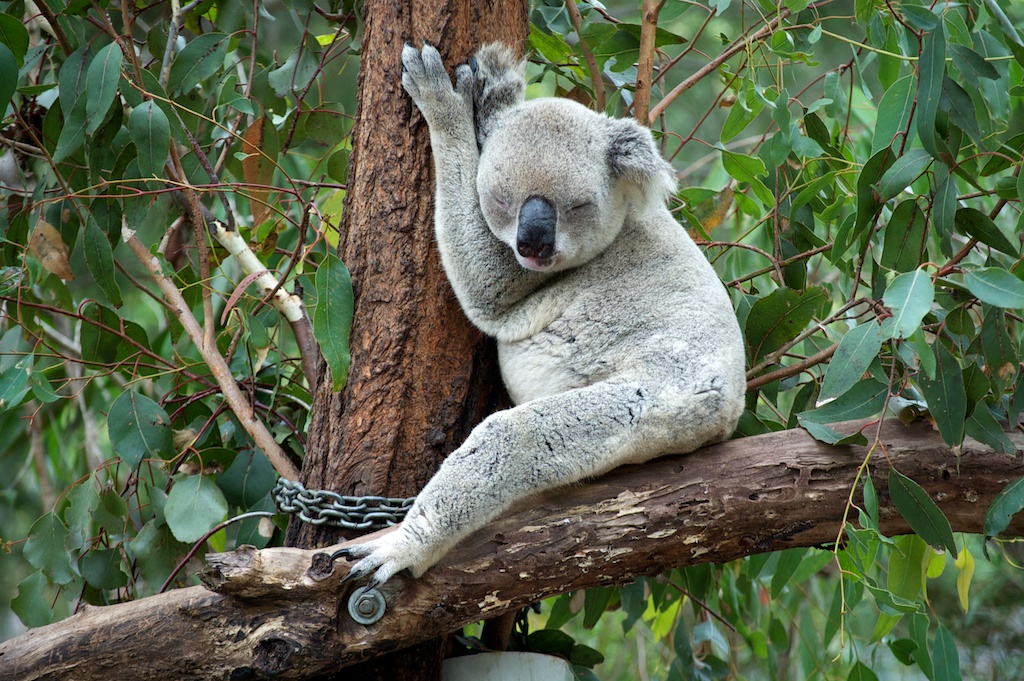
[
  {"x": 447, "y": 109},
  {"x": 386, "y": 556},
  {"x": 500, "y": 84}
]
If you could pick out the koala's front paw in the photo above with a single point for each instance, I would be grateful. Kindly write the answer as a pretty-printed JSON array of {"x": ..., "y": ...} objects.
[
  {"x": 384, "y": 557},
  {"x": 427, "y": 82}
]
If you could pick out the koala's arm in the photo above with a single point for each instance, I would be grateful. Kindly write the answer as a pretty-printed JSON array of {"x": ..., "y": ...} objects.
[
  {"x": 536, "y": 446},
  {"x": 483, "y": 272}
]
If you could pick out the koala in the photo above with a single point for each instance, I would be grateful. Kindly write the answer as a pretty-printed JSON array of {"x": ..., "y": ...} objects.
[{"x": 616, "y": 339}]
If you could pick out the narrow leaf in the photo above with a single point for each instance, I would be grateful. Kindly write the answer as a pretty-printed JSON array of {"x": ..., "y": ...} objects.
[
  {"x": 1008, "y": 503},
  {"x": 905, "y": 237},
  {"x": 893, "y": 113},
  {"x": 151, "y": 133},
  {"x": 864, "y": 399},
  {"x": 199, "y": 60},
  {"x": 101, "y": 84},
  {"x": 920, "y": 512},
  {"x": 971, "y": 65},
  {"x": 931, "y": 67},
  {"x": 995, "y": 286},
  {"x": 946, "y": 396},
  {"x": 909, "y": 296},
  {"x": 332, "y": 318},
  {"x": 8, "y": 75},
  {"x": 973, "y": 222},
  {"x": 100, "y": 260},
  {"x": 945, "y": 658},
  {"x": 856, "y": 350},
  {"x": 902, "y": 173},
  {"x": 965, "y": 564}
]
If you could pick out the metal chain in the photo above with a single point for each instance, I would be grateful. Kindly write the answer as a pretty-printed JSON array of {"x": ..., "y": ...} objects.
[{"x": 322, "y": 507}]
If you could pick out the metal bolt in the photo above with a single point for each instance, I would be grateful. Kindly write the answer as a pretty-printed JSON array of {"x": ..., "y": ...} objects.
[{"x": 366, "y": 606}]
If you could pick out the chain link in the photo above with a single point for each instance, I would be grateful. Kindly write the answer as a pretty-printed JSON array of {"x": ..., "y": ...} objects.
[{"x": 322, "y": 507}]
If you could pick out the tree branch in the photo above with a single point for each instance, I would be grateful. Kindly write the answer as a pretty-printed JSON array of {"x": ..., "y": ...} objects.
[{"x": 282, "y": 611}]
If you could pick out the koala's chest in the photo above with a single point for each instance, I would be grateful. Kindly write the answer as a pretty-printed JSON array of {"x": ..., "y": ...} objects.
[{"x": 568, "y": 354}]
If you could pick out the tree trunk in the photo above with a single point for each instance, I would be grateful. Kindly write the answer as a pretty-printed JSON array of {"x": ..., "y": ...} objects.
[
  {"x": 281, "y": 613},
  {"x": 420, "y": 376}
]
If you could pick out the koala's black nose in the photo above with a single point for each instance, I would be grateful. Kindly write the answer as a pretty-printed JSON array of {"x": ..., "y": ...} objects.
[{"x": 536, "y": 235}]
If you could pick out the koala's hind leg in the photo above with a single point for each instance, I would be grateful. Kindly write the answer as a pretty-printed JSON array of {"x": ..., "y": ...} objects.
[
  {"x": 538, "y": 445},
  {"x": 499, "y": 85}
]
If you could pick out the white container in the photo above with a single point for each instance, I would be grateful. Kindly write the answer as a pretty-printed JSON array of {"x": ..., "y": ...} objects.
[{"x": 506, "y": 667}]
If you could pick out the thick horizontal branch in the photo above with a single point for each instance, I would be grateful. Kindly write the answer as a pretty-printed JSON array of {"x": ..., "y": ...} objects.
[{"x": 282, "y": 612}]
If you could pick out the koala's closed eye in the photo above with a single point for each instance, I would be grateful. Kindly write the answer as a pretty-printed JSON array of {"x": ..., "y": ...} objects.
[{"x": 498, "y": 203}]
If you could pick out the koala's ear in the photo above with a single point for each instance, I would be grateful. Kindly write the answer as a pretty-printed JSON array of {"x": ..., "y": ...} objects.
[
  {"x": 500, "y": 84},
  {"x": 633, "y": 156}
]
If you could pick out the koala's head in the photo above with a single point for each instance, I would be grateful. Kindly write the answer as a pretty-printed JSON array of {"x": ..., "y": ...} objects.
[{"x": 556, "y": 180}]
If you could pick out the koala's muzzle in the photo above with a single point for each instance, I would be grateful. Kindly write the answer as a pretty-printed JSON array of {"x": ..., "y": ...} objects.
[{"x": 536, "y": 235}]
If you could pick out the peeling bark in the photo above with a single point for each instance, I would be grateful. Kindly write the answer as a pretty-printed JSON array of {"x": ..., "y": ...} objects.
[{"x": 282, "y": 612}]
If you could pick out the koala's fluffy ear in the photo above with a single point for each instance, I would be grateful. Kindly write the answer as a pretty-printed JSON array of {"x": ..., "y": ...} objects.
[
  {"x": 633, "y": 156},
  {"x": 500, "y": 84}
]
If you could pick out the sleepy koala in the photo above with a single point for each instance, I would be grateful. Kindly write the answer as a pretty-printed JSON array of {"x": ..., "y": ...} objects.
[{"x": 616, "y": 339}]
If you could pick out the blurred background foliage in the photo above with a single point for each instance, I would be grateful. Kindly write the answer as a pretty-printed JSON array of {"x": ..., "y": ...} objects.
[{"x": 852, "y": 170}]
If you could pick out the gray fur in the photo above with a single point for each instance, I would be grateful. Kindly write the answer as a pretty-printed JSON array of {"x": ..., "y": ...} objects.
[{"x": 621, "y": 347}]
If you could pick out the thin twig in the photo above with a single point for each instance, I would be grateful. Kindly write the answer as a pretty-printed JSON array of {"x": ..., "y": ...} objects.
[
  {"x": 595, "y": 73},
  {"x": 217, "y": 365}
]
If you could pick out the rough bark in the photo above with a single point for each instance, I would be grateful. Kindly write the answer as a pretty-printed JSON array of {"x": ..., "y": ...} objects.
[
  {"x": 282, "y": 613},
  {"x": 420, "y": 376}
]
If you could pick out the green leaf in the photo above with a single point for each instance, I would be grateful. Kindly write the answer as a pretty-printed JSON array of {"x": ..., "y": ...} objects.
[
  {"x": 14, "y": 382},
  {"x": 101, "y": 569},
  {"x": 151, "y": 133},
  {"x": 200, "y": 59},
  {"x": 100, "y": 259},
  {"x": 972, "y": 66},
  {"x": 995, "y": 286},
  {"x": 860, "y": 672},
  {"x": 101, "y": 84},
  {"x": 902, "y": 173},
  {"x": 829, "y": 436},
  {"x": 865, "y": 399},
  {"x": 550, "y": 642},
  {"x": 789, "y": 561},
  {"x": 868, "y": 204},
  {"x": 961, "y": 110},
  {"x": 779, "y": 317},
  {"x": 296, "y": 73},
  {"x": 72, "y": 134},
  {"x": 920, "y": 512},
  {"x": 909, "y": 296},
  {"x": 893, "y": 113},
  {"x": 248, "y": 479},
  {"x": 8, "y": 76},
  {"x": 332, "y": 318},
  {"x": 1008, "y": 503},
  {"x": 155, "y": 552},
  {"x": 194, "y": 506},
  {"x": 14, "y": 36},
  {"x": 932, "y": 68},
  {"x": 946, "y": 395},
  {"x": 595, "y": 602},
  {"x": 984, "y": 427},
  {"x": 973, "y": 222},
  {"x": 905, "y": 237},
  {"x": 139, "y": 429},
  {"x": 31, "y": 605},
  {"x": 748, "y": 169},
  {"x": 46, "y": 549},
  {"x": 945, "y": 658},
  {"x": 585, "y": 656},
  {"x": 856, "y": 350}
]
